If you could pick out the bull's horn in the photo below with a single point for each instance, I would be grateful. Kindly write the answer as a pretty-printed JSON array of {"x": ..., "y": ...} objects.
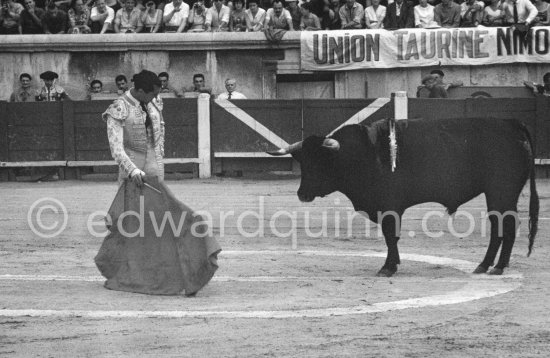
[
  {"x": 288, "y": 150},
  {"x": 331, "y": 144}
]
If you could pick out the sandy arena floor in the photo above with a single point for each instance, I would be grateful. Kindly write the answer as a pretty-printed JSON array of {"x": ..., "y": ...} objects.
[{"x": 297, "y": 282}]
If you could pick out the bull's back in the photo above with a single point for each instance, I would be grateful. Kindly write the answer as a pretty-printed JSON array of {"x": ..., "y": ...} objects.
[{"x": 453, "y": 160}]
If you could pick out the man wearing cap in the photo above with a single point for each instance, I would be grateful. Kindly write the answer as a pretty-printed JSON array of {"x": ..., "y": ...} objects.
[
  {"x": 25, "y": 93},
  {"x": 439, "y": 76},
  {"x": 51, "y": 92},
  {"x": 433, "y": 87},
  {"x": 135, "y": 129}
]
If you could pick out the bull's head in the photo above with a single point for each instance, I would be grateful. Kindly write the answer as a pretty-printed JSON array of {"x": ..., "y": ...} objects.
[{"x": 317, "y": 157}]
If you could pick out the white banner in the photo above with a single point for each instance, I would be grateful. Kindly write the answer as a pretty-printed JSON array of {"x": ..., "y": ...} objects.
[{"x": 344, "y": 50}]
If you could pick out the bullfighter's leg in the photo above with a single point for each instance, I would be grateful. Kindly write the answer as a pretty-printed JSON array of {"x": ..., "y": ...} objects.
[{"x": 391, "y": 224}]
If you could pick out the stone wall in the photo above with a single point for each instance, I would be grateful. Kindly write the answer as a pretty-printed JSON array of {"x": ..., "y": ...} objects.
[{"x": 248, "y": 57}]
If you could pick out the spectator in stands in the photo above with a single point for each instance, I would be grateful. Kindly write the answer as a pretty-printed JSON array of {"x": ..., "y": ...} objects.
[
  {"x": 399, "y": 15},
  {"x": 115, "y": 4},
  {"x": 55, "y": 21},
  {"x": 543, "y": 13},
  {"x": 447, "y": 14},
  {"x": 278, "y": 18},
  {"x": 51, "y": 91},
  {"x": 526, "y": 12},
  {"x": 256, "y": 16},
  {"x": 79, "y": 18},
  {"x": 295, "y": 12},
  {"x": 439, "y": 78},
  {"x": 9, "y": 17},
  {"x": 121, "y": 84},
  {"x": 128, "y": 19},
  {"x": 330, "y": 18},
  {"x": 265, "y": 4},
  {"x": 25, "y": 93},
  {"x": 351, "y": 15},
  {"x": 217, "y": 17},
  {"x": 64, "y": 5},
  {"x": 30, "y": 21},
  {"x": 102, "y": 18},
  {"x": 96, "y": 86},
  {"x": 309, "y": 21},
  {"x": 197, "y": 17},
  {"x": 471, "y": 13},
  {"x": 231, "y": 86},
  {"x": 165, "y": 86},
  {"x": 175, "y": 16},
  {"x": 198, "y": 87},
  {"x": 435, "y": 90},
  {"x": 493, "y": 14},
  {"x": 375, "y": 15},
  {"x": 540, "y": 89},
  {"x": 151, "y": 17},
  {"x": 238, "y": 20},
  {"x": 424, "y": 15}
]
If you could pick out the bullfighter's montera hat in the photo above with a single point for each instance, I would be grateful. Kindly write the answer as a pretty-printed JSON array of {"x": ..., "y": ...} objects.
[{"x": 49, "y": 75}]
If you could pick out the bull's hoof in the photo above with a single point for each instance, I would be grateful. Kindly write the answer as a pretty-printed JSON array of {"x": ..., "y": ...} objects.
[
  {"x": 480, "y": 269},
  {"x": 496, "y": 271},
  {"x": 386, "y": 272}
]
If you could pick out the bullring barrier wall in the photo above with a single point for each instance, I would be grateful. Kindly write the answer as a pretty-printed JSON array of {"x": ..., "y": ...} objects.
[{"x": 220, "y": 134}]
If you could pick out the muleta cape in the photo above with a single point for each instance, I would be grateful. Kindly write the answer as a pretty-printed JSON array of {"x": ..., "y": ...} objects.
[{"x": 158, "y": 262}]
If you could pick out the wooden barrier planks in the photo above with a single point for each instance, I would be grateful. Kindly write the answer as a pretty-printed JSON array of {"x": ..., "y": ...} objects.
[
  {"x": 268, "y": 121},
  {"x": 321, "y": 117},
  {"x": 180, "y": 117},
  {"x": 35, "y": 131}
]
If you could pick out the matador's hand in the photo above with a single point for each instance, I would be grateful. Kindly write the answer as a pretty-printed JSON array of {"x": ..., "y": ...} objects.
[{"x": 136, "y": 176}]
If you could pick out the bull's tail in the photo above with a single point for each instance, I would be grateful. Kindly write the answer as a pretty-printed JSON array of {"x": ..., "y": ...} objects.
[{"x": 534, "y": 199}]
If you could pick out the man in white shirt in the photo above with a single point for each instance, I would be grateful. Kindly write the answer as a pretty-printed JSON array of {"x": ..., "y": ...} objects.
[
  {"x": 231, "y": 86},
  {"x": 217, "y": 17},
  {"x": 175, "y": 16},
  {"x": 102, "y": 17},
  {"x": 525, "y": 11},
  {"x": 278, "y": 18},
  {"x": 256, "y": 15}
]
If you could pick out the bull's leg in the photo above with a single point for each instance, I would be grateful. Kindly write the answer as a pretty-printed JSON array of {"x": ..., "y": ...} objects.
[
  {"x": 509, "y": 223},
  {"x": 391, "y": 224},
  {"x": 492, "y": 250}
]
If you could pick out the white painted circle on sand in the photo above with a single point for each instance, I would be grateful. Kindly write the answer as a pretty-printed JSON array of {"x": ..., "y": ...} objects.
[{"x": 476, "y": 287}]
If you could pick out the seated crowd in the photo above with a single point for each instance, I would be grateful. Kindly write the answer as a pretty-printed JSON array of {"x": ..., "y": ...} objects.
[{"x": 138, "y": 16}]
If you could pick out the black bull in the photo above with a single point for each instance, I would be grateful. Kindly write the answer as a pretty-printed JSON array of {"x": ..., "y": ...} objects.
[{"x": 448, "y": 161}]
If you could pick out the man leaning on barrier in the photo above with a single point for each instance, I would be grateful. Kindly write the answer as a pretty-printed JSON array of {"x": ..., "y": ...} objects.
[{"x": 136, "y": 129}]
